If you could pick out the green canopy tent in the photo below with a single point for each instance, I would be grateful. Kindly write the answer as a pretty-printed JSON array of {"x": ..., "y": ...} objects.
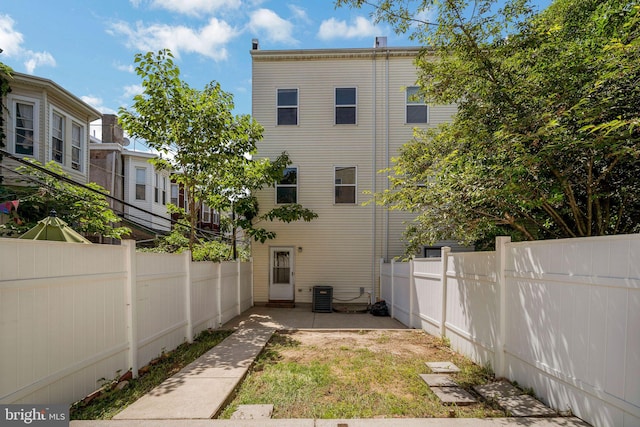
[{"x": 53, "y": 228}]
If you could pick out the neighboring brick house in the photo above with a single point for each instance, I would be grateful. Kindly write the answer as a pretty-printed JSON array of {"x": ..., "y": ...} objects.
[
  {"x": 208, "y": 219},
  {"x": 341, "y": 115}
]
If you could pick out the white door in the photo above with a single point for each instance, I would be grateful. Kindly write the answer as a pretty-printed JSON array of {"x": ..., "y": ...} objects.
[{"x": 281, "y": 274}]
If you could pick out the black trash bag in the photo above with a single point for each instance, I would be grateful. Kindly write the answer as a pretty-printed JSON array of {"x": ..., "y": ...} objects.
[{"x": 380, "y": 309}]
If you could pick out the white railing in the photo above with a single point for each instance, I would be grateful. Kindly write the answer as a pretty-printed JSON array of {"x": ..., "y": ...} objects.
[
  {"x": 560, "y": 316},
  {"x": 72, "y": 314}
]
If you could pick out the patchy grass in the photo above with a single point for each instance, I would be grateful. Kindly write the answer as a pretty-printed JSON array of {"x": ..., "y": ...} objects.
[
  {"x": 362, "y": 374},
  {"x": 112, "y": 400}
]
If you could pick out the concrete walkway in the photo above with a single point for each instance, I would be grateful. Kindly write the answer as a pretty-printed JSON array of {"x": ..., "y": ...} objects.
[{"x": 200, "y": 390}]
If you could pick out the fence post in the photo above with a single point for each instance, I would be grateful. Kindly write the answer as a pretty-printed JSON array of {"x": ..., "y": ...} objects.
[
  {"x": 444, "y": 263},
  {"x": 188, "y": 290},
  {"x": 251, "y": 261},
  {"x": 239, "y": 287},
  {"x": 501, "y": 257},
  {"x": 131, "y": 300},
  {"x": 219, "y": 294},
  {"x": 412, "y": 291}
]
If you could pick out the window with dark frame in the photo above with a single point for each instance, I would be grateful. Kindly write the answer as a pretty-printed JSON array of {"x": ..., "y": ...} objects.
[
  {"x": 345, "y": 185},
  {"x": 345, "y": 106},
  {"x": 287, "y": 107},
  {"x": 417, "y": 110},
  {"x": 287, "y": 188}
]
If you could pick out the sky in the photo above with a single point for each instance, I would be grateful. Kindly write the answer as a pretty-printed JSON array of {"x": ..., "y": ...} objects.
[{"x": 88, "y": 46}]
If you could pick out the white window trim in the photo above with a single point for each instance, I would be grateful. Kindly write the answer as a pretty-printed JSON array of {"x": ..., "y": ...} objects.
[
  {"x": 135, "y": 184},
  {"x": 12, "y": 100},
  {"x": 156, "y": 188},
  {"x": 81, "y": 161},
  {"x": 289, "y": 186},
  {"x": 164, "y": 190},
  {"x": 297, "y": 106},
  {"x": 177, "y": 198},
  {"x": 206, "y": 210},
  {"x": 68, "y": 120},
  {"x": 336, "y": 106},
  {"x": 355, "y": 186},
  {"x": 407, "y": 104}
]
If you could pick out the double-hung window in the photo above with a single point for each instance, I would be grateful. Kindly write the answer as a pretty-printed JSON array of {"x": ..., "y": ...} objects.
[
  {"x": 141, "y": 183},
  {"x": 164, "y": 190},
  {"x": 156, "y": 189},
  {"x": 287, "y": 188},
  {"x": 345, "y": 185},
  {"x": 24, "y": 129},
  {"x": 287, "y": 107},
  {"x": 417, "y": 110},
  {"x": 206, "y": 214},
  {"x": 76, "y": 147},
  {"x": 57, "y": 138},
  {"x": 174, "y": 194},
  {"x": 345, "y": 105}
]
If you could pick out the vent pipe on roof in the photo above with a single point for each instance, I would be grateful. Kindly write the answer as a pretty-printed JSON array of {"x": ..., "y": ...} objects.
[
  {"x": 381, "y": 42},
  {"x": 254, "y": 44}
]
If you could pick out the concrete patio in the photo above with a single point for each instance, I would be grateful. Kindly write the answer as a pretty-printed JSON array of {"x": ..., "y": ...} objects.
[{"x": 301, "y": 317}]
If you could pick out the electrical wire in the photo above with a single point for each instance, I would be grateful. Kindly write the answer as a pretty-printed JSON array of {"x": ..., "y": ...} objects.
[{"x": 68, "y": 180}]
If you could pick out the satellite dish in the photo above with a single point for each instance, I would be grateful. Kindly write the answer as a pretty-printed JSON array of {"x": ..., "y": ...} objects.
[{"x": 125, "y": 142}]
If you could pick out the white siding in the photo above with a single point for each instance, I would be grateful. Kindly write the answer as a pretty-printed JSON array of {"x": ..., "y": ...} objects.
[{"x": 337, "y": 247}]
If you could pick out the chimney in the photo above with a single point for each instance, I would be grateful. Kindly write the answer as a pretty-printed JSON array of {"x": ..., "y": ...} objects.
[
  {"x": 381, "y": 42},
  {"x": 254, "y": 44},
  {"x": 111, "y": 130}
]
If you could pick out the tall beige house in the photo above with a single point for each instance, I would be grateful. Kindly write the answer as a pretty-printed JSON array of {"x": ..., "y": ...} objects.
[{"x": 341, "y": 115}]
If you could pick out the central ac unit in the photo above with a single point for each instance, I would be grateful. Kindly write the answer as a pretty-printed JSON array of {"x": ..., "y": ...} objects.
[{"x": 322, "y": 299}]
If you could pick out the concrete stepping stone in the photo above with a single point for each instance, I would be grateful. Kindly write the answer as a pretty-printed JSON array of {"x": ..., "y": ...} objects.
[
  {"x": 497, "y": 389},
  {"x": 443, "y": 367},
  {"x": 438, "y": 380},
  {"x": 252, "y": 412},
  {"x": 525, "y": 406},
  {"x": 454, "y": 396}
]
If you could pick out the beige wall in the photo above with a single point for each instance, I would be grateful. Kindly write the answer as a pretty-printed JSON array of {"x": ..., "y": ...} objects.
[
  {"x": 47, "y": 97},
  {"x": 338, "y": 247}
]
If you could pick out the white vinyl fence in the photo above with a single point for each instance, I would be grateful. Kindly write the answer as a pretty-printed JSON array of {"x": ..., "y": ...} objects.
[
  {"x": 71, "y": 314},
  {"x": 560, "y": 316}
]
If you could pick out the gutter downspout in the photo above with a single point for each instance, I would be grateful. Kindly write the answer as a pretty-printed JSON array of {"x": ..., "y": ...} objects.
[
  {"x": 386, "y": 155},
  {"x": 372, "y": 297}
]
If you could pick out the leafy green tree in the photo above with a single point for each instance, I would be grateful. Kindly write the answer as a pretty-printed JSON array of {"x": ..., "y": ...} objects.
[
  {"x": 208, "y": 147},
  {"x": 545, "y": 143},
  {"x": 86, "y": 211}
]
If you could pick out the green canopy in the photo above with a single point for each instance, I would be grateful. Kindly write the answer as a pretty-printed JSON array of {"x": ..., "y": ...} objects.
[{"x": 53, "y": 228}]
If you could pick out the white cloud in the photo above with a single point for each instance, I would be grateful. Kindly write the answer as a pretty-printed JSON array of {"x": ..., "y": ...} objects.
[
  {"x": 132, "y": 90},
  {"x": 208, "y": 41},
  {"x": 98, "y": 104},
  {"x": 36, "y": 59},
  {"x": 192, "y": 7},
  {"x": 10, "y": 39},
  {"x": 299, "y": 13},
  {"x": 275, "y": 28},
  {"x": 128, "y": 68},
  {"x": 11, "y": 42},
  {"x": 333, "y": 29}
]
